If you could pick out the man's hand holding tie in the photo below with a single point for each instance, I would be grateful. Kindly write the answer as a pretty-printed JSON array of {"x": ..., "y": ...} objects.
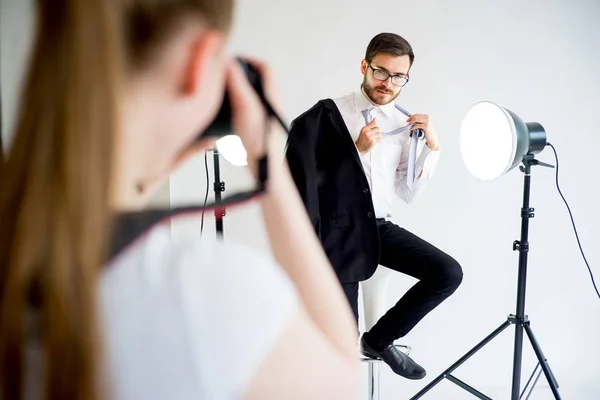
[
  {"x": 369, "y": 136},
  {"x": 423, "y": 121}
]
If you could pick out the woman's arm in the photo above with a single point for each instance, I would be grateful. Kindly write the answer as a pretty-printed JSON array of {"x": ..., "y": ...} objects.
[{"x": 323, "y": 330}]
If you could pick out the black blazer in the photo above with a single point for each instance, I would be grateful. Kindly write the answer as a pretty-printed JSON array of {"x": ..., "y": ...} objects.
[{"x": 328, "y": 173}]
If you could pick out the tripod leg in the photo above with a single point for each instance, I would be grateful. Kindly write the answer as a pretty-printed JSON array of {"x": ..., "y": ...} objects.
[
  {"x": 535, "y": 370},
  {"x": 543, "y": 362},
  {"x": 460, "y": 361},
  {"x": 537, "y": 377}
]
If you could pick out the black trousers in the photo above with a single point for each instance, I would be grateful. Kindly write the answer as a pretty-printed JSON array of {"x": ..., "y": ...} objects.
[{"x": 439, "y": 276}]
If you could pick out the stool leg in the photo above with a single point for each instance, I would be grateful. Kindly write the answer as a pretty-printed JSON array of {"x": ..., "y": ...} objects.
[{"x": 374, "y": 381}]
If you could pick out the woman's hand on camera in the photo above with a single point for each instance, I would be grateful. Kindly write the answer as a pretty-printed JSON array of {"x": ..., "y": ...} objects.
[{"x": 249, "y": 116}]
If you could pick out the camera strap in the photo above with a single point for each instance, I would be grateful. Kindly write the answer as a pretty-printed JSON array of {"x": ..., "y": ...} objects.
[{"x": 131, "y": 225}]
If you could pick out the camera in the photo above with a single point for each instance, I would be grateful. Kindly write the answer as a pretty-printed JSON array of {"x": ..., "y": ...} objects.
[{"x": 221, "y": 125}]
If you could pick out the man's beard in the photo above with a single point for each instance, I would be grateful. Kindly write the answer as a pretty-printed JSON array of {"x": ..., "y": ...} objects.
[{"x": 370, "y": 92}]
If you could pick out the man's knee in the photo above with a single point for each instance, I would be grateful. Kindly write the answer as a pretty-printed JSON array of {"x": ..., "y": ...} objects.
[{"x": 451, "y": 275}]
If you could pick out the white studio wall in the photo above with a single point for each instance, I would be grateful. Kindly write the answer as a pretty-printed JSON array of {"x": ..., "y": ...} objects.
[{"x": 537, "y": 58}]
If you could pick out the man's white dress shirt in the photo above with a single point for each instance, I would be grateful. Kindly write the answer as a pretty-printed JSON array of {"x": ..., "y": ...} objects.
[{"x": 386, "y": 164}]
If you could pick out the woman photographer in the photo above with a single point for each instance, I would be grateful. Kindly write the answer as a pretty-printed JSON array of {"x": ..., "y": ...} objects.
[{"x": 115, "y": 95}]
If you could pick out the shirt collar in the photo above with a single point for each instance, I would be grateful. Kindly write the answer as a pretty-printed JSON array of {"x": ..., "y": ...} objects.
[{"x": 362, "y": 102}]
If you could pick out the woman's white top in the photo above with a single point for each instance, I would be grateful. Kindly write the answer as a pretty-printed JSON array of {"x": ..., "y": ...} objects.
[{"x": 190, "y": 320}]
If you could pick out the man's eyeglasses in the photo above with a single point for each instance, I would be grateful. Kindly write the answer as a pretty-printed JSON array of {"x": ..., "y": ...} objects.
[{"x": 381, "y": 75}]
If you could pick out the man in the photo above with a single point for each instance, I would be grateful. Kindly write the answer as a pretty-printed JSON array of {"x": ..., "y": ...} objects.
[{"x": 348, "y": 157}]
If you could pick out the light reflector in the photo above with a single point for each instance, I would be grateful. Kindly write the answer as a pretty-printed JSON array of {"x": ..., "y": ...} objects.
[{"x": 230, "y": 147}]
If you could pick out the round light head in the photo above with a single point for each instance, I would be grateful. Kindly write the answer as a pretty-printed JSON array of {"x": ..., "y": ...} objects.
[
  {"x": 232, "y": 150},
  {"x": 488, "y": 141}
]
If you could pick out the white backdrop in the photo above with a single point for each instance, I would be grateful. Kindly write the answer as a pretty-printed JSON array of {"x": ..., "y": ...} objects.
[{"x": 538, "y": 58}]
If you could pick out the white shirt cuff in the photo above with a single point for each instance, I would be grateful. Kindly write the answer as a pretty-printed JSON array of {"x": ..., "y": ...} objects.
[{"x": 427, "y": 162}]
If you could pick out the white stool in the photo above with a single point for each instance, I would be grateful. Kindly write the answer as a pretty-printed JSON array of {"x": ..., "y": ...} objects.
[{"x": 373, "y": 294}]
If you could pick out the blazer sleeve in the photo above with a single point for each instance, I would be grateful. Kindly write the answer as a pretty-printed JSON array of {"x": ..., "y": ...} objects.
[{"x": 301, "y": 156}]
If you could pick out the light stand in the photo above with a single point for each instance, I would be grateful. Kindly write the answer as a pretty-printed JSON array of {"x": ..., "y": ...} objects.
[
  {"x": 520, "y": 320},
  {"x": 232, "y": 150},
  {"x": 218, "y": 187}
]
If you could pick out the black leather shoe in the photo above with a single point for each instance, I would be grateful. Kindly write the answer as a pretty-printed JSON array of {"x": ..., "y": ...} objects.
[{"x": 399, "y": 362}]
